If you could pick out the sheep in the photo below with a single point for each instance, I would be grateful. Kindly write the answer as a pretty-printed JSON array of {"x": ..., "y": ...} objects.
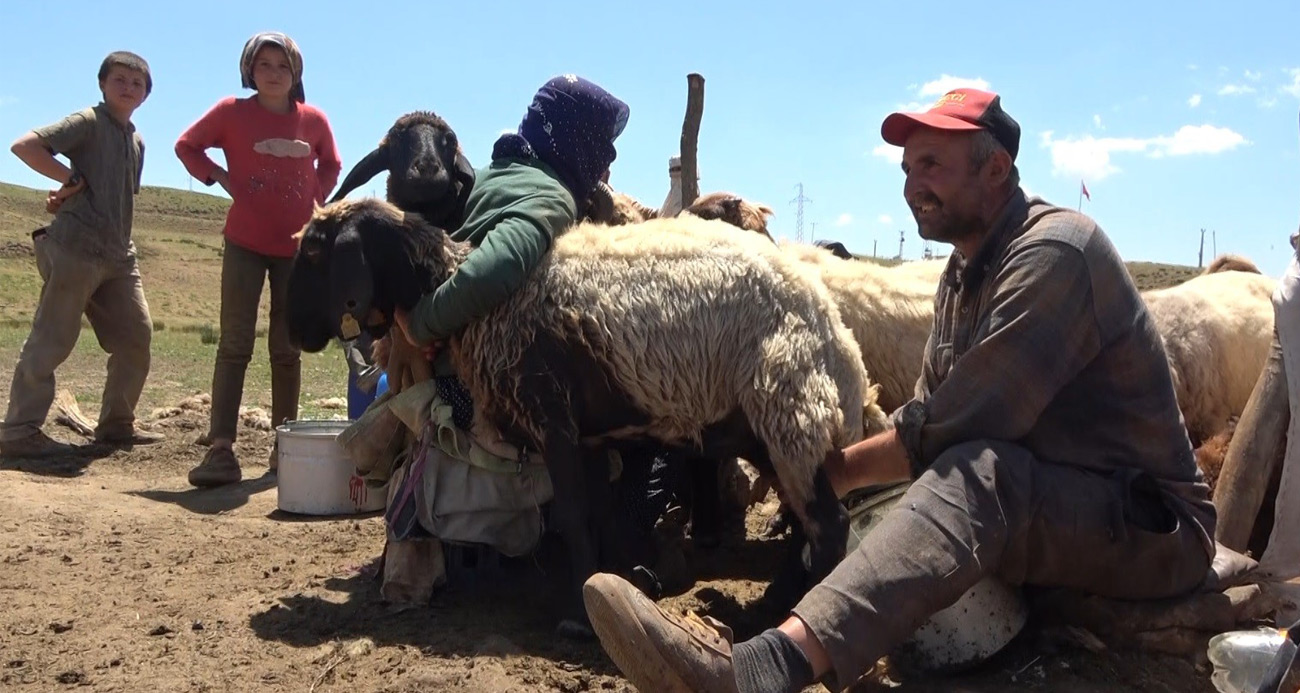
[
  {"x": 427, "y": 172},
  {"x": 732, "y": 209},
  {"x": 621, "y": 209},
  {"x": 836, "y": 248},
  {"x": 676, "y": 330},
  {"x": 1216, "y": 329},
  {"x": 889, "y": 310},
  {"x": 1229, "y": 262}
]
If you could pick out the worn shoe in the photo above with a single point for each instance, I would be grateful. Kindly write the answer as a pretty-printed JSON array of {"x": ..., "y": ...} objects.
[
  {"x": 128, "y": 436},
  {"x": 658, "y": 651},
  {"x": 219, "y": 467},
  {"x": 34, "y": 446}
]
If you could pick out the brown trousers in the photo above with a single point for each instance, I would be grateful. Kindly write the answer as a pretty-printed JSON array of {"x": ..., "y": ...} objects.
[
  {"x": 987, "y": 508},
  {"x": 111, "y": 296},
  {"x": 242, "y": 275}
]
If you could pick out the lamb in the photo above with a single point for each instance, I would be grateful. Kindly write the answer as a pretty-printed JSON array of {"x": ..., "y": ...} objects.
[
  {"x": 427, "y": 172},
  {"x": 679, "y": 331}
]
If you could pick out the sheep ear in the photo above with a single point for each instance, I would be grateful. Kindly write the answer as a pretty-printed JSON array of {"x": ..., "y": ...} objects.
[
  {"x": 465, "y": 179},
  {"x": 371, "y": 165}
]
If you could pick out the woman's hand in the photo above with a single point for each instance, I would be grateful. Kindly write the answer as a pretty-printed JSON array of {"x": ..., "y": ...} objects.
[
  {"x": 404, "y": 324},
  {"x": 379, "y": 351}
]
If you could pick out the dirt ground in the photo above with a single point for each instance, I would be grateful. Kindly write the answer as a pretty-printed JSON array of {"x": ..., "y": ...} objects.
[{"x": 117, "y": 576}]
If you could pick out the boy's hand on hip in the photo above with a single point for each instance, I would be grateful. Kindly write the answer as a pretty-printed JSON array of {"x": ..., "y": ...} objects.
[{"x": 55, "y": 198}]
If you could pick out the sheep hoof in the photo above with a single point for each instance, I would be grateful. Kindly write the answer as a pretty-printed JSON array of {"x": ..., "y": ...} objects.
[
  {"x": 777, "y": 525},
  {"x": 644, "y": 579},
  {"x": 570, "y": 629}
]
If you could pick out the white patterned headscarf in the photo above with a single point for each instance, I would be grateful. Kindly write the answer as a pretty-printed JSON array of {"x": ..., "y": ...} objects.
[{"x": 290, "y": 49}]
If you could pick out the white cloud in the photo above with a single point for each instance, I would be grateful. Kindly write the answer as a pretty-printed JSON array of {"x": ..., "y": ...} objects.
[
  {"x": 1196, "y": 139},
  {"x": 885, "y": 219},
  {"x": 1194, "y": 101},
  {"x": 1096, "y": 121},
  {"x": 1091, "y": 157},
  {"x": 1235, "y": 89},
  {"x": 1294, "y": 87},
  {"x": 1253, "y": 76},
  {"x": 946, "y": 83},
  {"x": 889, "y": 152},
  {"x": 844, "y": 219},
  {"x": 1192, "y": 66}
]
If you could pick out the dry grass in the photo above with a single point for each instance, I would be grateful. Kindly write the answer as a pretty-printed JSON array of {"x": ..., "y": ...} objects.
[{"x": 178, "y": 237}]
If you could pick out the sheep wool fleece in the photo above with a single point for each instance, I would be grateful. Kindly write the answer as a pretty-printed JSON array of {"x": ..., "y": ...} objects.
[
  {"x": 1045, "y": 441},
  {"x": 514, "y": 214}
]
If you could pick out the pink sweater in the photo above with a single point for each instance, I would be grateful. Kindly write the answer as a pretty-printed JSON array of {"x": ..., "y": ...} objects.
[{"x": 279, "y": 165}]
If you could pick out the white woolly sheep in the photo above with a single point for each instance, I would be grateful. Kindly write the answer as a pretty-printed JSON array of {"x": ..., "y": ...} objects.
[
  {"x": 1216, "y": 329},
  {"x": 677, "y": 330}
]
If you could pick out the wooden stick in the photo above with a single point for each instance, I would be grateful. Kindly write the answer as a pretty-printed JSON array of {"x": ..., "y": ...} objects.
[
  {"x": 67, "y": 413},
  {"x": 1257, "y": 447},
  {"x": 691, "y": 138}
]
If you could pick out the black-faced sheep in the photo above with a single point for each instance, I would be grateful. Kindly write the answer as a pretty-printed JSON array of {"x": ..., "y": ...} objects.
[
  {"x": 678, "y": 330},
  {"x": 427, "y": 172}
]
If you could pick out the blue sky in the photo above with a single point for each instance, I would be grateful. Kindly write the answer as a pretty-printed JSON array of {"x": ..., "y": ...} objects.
[{"x": 1179, "y": 116}]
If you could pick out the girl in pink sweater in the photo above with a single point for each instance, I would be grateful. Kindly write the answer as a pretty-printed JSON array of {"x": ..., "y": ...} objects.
[{"x": 280, "y": 162}]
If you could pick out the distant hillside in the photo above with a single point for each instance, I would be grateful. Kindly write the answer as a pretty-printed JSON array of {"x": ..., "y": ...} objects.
[{"x": 178, "y": 234}]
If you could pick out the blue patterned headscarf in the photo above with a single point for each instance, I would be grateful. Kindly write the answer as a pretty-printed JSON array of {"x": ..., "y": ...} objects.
[{"x": 571, "y": 126}]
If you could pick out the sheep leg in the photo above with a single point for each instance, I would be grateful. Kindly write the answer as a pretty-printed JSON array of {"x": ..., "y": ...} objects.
[
  {"x": 706, "y": 508},
  {"x": 570, "y": 514},
  {"x": 825, "y": 533}
]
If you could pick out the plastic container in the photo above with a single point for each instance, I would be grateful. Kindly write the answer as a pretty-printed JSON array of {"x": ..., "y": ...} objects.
[
  {"x": 1241, "y": 658},
  {"x": 316, "y": 477}
]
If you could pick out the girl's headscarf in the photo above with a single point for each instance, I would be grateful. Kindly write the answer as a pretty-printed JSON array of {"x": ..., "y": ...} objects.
[
  {"x": 571, "y": 125},
  {"x": 290, "y": 49}
]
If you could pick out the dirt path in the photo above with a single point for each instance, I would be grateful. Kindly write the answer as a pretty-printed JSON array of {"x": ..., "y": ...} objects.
[{"x": 118, "y": 576}]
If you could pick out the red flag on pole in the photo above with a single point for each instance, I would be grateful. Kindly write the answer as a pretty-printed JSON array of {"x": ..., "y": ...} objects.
[{"x": 1084, "y": 189}]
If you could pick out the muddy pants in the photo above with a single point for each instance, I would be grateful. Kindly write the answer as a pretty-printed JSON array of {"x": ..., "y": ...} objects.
[
  {"x": 242, "y": 275},
  {"x": 1282, "y": 556},
  {"x": 991, "y": 508},
  {"x": 111, "y": 296}
]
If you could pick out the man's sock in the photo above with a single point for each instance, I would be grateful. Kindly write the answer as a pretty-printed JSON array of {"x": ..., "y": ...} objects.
[{"x": 770, "y": 662}]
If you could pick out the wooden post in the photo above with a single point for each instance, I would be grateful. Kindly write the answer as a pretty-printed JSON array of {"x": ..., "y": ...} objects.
[
  {"x": 691, "y": 138},
  {"x": 1257, "y": 447}
]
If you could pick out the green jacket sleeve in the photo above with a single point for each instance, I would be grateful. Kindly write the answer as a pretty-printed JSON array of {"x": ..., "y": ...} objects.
[{"x": 493, "y": 271}]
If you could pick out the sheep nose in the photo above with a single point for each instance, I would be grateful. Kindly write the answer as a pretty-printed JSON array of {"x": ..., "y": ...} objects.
[{"x": 350, "y": 305}]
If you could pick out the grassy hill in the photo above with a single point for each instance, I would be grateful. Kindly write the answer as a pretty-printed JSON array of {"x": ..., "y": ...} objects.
[{"x": 178, "y": 235}]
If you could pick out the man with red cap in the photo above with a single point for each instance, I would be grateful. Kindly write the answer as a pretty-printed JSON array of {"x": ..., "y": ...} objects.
[{"x": 1044, "y": 442}]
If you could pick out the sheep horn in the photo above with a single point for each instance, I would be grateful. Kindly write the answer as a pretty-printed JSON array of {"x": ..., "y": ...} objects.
[
  {"x": 601, "y": 204},
  {"x": 371, "y": 165}
]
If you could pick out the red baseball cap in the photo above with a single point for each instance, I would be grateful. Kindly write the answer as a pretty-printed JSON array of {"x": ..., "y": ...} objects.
[{"x": 959, "y": 109}]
